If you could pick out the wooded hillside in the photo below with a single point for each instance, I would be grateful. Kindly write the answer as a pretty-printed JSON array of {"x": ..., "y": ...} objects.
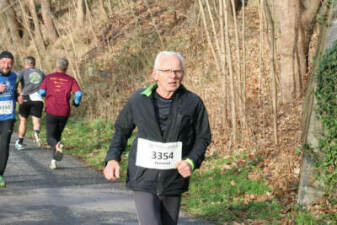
[{"x": 250, "y": 61}]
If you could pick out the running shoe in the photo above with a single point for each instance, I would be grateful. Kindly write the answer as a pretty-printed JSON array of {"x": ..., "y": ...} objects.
[
  {"x": 58, "y": 153},
  {"x": 52, "y": 164},
  {"x": 37, "y": 139},
  {"x": 2, "y": 182},
  {"x": 19, "y": 146}
]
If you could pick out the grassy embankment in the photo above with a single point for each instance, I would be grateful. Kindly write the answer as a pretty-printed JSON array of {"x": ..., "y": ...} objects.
[{"x": 221, "y": 191}]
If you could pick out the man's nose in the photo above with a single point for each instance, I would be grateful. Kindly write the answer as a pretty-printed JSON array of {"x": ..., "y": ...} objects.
[{"x": 172, "y": 73}]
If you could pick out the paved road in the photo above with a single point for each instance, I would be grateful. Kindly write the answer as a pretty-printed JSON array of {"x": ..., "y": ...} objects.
[{"x": 73, "y": 194}]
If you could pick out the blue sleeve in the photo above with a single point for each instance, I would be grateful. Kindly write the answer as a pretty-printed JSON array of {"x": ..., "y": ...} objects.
[
  {"x": 78, "y": 97},
  {"x": 42, "y": 92}
]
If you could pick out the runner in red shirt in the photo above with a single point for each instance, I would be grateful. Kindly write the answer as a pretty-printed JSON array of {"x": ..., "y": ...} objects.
[{"x": 57, "y": 88}]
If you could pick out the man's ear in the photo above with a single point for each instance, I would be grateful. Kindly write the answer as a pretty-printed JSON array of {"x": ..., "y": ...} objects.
[{"x": 154, "y": 75}]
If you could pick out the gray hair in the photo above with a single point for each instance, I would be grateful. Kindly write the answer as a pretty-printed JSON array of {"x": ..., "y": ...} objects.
[
  {"x": 170, "y": 53},
  {"x": 62, "y": 64},
  {"x": 29, "y": 60}
]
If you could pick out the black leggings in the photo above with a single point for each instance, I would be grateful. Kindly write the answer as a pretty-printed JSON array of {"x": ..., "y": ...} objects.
[
  {"x": 157, "y": 210},
  {"x": 54, "y": 127},
  {"x": 6, "y": 130}
]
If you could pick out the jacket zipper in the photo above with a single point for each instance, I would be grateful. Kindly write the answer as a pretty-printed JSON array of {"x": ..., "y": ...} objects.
[{"x": 165, "y": 139}]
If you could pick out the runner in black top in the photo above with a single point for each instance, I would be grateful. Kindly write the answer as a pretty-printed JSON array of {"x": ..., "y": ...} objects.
[{"x": 173, "y": 134}]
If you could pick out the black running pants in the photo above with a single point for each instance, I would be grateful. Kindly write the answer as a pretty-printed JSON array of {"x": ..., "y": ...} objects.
[
  {"x": 54, "y": 127},
  {"x": 6, "y": 130}
]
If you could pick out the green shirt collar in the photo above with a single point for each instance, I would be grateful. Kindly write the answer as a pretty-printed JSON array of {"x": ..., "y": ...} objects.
[{"x": 148, "y": 91}]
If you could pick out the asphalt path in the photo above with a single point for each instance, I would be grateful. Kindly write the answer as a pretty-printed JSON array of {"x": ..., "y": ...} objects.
[{"x": 73, "y": 194}]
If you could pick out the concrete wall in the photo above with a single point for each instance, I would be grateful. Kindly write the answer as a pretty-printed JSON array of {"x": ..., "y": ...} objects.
[{"x": 311, "y": 186}]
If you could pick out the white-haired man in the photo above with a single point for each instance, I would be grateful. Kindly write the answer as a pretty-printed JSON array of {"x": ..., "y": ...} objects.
[
  {"x": 173, "y": 134},
  {"x": 57, "y": 88}
]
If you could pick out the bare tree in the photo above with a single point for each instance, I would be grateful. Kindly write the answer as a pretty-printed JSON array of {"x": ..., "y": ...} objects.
[
  {"x": 296, "y": 20},
  {"x": 232, "y": 4},
  {"x": 231, "y": 73},
  {"x": 27, "y": 28},
  {"x": 38, "y": 34},
  {"x": 11, "y": 20},
  {"x": 269, "y": 11},
  {"x": 48, "y": 21},
  {"x": 219, "y": 42},
  {"x": 5, "y": 40},
  {"x": 102, "y": 9},
  {"x": 81, "y": 11}
]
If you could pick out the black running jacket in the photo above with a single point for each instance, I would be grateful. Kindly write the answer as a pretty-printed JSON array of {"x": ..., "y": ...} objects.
[{"x": 187, "y": 122}]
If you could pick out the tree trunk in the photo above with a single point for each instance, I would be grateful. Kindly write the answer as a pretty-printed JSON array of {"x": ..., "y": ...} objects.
[
  {"x": 81, "y": 11},
  {"x": 295, "y": 19},
  {"x": 48, "y": 21},
  {"x": 308, "y": 12},
  {"x": 230, "y": 8},
  {"x": 12, "y": 22},
  {"x": 287, "y": 17},
  {"x": 102, "y": 9},
  {"x": 231, "y": 74},
  {"x": 5, "y": 39},
  {"x": 26, "y": 25},
  {"x": 38, "y": 34},
  {"x": 269, "y": 12}
]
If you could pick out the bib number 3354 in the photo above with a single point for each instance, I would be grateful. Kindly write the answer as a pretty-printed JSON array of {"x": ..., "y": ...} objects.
[{"x": 158, "y": 155}]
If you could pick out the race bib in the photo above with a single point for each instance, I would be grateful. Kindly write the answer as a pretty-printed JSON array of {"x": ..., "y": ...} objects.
[
  {"x": 6, "y": 107},
  {"x": 35, "y": 97},
  {"x": 158, "y": 155}
]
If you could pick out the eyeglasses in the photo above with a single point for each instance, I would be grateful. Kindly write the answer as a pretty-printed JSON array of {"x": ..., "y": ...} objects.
[{"x": 168, "y": 71}]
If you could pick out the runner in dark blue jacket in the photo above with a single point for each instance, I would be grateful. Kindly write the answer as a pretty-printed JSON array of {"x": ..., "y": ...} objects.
[
  {"x": 173, "y": 134},
  {"x": 8, "y": 95}
]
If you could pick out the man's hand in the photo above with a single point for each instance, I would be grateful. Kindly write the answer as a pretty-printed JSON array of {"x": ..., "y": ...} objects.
[
  {"x": 2, "y": 87},
  {"x": 184, "y": 168},
  {"x": 111, "y": 170}
]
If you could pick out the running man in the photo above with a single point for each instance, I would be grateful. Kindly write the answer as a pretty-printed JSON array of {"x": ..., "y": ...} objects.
[
  {"x": 173, "y": 134},
  {"x": 30, "y": 79},
  {"x": 57, "y": 88},
  {"x": 8, "y": 95}
]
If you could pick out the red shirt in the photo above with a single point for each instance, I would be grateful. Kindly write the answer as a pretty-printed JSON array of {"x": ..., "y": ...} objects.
[{"x": 58, "y": 87}]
